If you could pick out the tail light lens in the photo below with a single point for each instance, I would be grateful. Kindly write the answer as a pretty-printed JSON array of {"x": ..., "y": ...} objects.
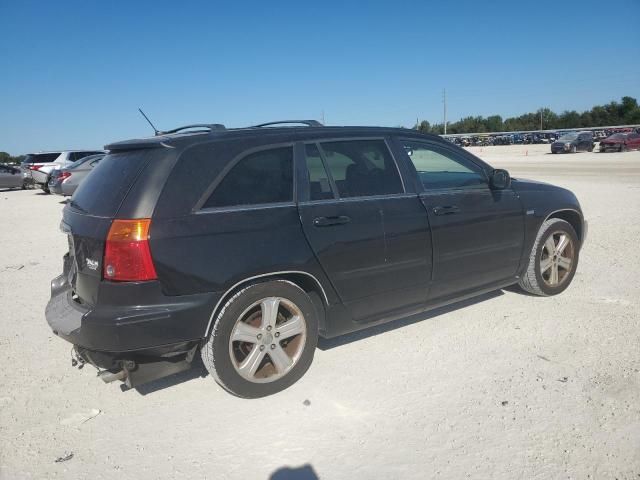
[
  {"x": 62, "y": 176},
  {"x": 127, "y": 256},
  {"x": 34, "y": 167}
]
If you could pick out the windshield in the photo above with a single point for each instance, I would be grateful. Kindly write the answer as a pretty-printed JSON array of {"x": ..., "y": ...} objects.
[{"x": 569, "y": 137}]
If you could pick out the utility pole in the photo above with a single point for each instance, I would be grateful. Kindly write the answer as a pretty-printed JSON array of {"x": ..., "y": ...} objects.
[
  {"x": 444, "y": 101},
  {"x": 323, "y": 116},
  {"x": 541, "y": 119}
]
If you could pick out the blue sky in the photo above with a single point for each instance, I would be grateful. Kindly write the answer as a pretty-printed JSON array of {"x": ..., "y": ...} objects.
[{"x": 74, "y": 73}]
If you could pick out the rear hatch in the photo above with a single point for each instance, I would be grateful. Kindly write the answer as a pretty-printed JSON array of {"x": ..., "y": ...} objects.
[{"x": 89, "y": 214}]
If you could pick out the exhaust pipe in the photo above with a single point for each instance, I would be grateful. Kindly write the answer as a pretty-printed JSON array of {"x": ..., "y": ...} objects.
[{"x": 107, "y": 377}]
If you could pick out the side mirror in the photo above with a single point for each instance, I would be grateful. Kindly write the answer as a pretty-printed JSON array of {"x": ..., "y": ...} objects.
[{"x": 500, "y": 179}]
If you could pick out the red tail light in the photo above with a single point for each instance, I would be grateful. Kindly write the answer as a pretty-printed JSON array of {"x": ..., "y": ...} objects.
[
  {"x": 63, "y": 176},
  {"x": 127, "y": 256},
  {"x": 34, "y": 167}
]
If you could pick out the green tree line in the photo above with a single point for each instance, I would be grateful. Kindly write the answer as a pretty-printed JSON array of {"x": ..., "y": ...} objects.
[
  {"x": 626, "y": 112},
  {"x": 6, "y": 158}
]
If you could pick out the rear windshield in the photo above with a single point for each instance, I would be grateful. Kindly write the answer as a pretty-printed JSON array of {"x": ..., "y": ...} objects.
[
  {"x": 102, "y": 192},
  {"x": 82, "y": 161},
  {"x": 40, "y": 157}
]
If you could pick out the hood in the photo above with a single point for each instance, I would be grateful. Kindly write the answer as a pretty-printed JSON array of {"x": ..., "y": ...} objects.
[{"x": 522, "y": 185}]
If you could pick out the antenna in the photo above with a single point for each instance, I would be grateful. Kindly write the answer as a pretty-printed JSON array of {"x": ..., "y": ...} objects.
[{"x": 155, "y": 130}]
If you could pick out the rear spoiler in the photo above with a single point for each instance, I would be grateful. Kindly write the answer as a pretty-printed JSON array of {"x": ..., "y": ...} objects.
[{"x": 137, "y": 144}]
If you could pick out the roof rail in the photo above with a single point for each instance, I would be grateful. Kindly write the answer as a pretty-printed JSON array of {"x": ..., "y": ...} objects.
[
  {"x": 209, "y": 126},
  {"x": 308, "y": 123}
]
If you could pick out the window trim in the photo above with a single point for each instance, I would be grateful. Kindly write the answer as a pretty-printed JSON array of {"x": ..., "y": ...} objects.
[
  {"x": 323, "y": 160},
  {"x": 461, "y": 157},
  {"x": 319, "y": 141},
  {"x": 198, "y": 207}
]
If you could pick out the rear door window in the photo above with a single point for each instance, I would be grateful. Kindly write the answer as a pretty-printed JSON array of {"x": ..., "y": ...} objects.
[
  {"x": 260, "y": 178},
  {"x": 102, "y": 192},
  {"x": 362, "y": 168}
]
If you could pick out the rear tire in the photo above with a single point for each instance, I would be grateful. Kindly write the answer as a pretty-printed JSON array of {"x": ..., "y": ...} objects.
[
  {"x": 544, "y": 259},
  {"x": 245, "y": 316}
]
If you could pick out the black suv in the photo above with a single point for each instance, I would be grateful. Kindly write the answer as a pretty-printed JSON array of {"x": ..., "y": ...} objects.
[
  {"x": 247, "y": 244},
  {"x": 573, "y": 142}
]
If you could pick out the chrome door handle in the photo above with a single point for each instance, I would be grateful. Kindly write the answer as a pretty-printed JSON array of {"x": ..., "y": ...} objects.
[
  {"x": 329, "y": 221},
  {"x": 446, "y": 210}
]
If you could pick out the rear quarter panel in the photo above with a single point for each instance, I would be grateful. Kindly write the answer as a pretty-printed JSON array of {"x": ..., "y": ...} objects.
[{"x": 211, "y": 251}]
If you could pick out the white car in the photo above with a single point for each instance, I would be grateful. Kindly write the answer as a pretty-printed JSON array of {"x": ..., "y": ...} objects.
[{"x": 39, "y": 165}]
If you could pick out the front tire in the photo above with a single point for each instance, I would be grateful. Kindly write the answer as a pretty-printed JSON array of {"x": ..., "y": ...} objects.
[
  {"x": 263, "y": 339},
  {"x": 553, "y": 259}
]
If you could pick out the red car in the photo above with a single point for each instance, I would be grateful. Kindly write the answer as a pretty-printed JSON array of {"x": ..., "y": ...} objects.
[{"x": 620, "y": 142}]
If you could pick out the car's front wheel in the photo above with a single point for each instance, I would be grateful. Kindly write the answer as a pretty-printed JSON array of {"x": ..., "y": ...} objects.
[
  {"x": 553, "y": 259},
  {"x": 263, "y": 339}
]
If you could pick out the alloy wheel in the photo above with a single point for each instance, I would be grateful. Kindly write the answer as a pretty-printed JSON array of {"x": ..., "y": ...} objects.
[
  {"x": 267, "y": 340},
  {"x": 557, "y": 258}
]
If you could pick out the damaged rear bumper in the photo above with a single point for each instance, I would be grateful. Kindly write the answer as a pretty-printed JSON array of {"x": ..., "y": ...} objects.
[{"x": 134, "y": 333}]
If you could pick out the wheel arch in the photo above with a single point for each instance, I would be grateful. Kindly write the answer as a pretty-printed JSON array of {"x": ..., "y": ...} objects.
[
  {"x": 573, "y": 217},
  {"x": 304, "y": 280}
]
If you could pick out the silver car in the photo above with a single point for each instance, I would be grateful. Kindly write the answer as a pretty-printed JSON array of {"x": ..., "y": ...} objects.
[
  {"x": 64, "y": 181},
  {"x": 10, "y": 177}
]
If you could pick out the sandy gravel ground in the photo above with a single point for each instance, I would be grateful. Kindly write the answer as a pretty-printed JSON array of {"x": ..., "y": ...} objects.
[{"x": 508, "y": 386}]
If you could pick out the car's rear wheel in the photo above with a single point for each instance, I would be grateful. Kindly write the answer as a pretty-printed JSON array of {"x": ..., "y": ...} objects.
[
  {"x": 263, "y": 339},
  {"x": 553, "y": 259}
]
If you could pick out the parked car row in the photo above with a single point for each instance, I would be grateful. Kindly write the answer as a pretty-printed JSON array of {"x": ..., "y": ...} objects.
[
  {"x": 568, "y": 142},
  {"x": 39, "y": 168}
]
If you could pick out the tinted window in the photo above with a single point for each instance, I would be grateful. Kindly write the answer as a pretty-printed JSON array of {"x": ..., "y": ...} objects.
[
  {"x": 439, "y": 168},
  {"x": 260, "y": 178},
  {"x": 362, "y": 168},
  {"x": 102, "y": 192},
  {"x": 41, "y": 157},
  {"x": 319, "y": 185}
]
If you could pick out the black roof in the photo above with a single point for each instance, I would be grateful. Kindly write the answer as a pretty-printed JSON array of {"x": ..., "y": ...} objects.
[{"x": 183, "y": 137}]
